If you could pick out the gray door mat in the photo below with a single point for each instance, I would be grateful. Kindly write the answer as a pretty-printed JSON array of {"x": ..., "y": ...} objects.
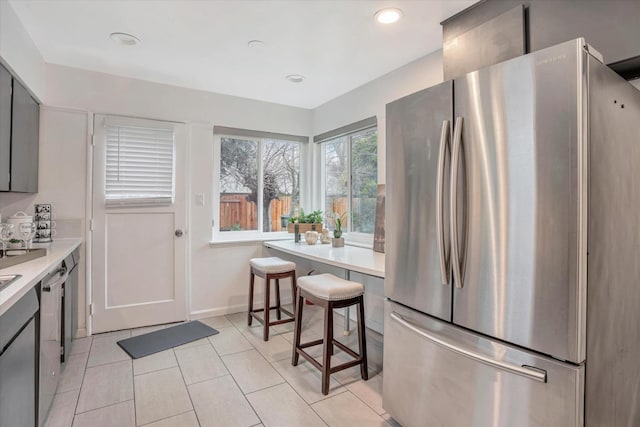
[{"x": 164, "y": 339}]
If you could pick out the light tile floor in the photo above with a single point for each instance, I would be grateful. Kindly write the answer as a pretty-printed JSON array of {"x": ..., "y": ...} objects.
[{"x": 230, "y": 379}]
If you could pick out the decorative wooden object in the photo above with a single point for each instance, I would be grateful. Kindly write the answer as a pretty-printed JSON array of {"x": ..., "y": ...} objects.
[
  {"x": 378, "y": 236},
  {"x": 304, "y": 227}
]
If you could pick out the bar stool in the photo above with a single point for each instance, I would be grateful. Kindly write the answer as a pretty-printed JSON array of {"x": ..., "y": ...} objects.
[
  {"x": 329, "y": 291},
  {"x": 268, "y": 269}
]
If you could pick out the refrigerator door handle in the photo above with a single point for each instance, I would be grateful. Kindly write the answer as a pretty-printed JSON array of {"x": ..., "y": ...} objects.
[
  {"x": 455, "y": 160},
  {"x": 531, "y": 373},
  {"x": 444, "y": 252}
]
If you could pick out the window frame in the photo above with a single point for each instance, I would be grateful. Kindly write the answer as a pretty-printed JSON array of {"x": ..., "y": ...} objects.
[
  {"x": 351, "y": 237},
  {"x": 252, "y": 235}
]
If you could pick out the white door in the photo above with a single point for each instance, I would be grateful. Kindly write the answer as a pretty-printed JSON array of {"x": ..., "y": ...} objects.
[{"x": 138, "y": 243}]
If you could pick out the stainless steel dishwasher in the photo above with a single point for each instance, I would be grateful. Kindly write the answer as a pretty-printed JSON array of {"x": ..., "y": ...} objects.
[
  {"x": 69, "y": 305},
  {"x": 18, "y": 363},
  {"x": 50, "y": 338}
]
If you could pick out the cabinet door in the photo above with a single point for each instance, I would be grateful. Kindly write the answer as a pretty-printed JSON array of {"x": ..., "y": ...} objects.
[
  {"x": 5, "y": 128},
  {"x": 24, "y": 141}
]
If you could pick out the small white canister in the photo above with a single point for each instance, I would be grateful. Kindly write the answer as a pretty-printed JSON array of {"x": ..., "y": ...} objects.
[{"x": 18, "y": 218}]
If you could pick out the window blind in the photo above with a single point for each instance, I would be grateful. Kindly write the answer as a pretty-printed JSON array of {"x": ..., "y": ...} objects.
[
  {"x": 139, "y": 165},
  {"x": 367, "y": 123}
]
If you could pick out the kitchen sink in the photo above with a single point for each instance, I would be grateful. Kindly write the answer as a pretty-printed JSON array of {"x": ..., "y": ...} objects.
[{"x": 7, "y": 279}]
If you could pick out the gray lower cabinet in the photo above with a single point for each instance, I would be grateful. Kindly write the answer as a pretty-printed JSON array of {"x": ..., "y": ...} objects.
[
  {"x": 18, "y": 363},
  {"x": 5, "y": 128},
  {"x": 25, "y": 131}
]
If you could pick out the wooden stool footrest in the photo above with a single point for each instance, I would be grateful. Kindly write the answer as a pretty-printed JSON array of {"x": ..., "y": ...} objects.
[
  {"x": 346, "y": 365},
  {"x": 259, "y": 310},
  {"x": 273, "y": 322},
  {"x": 311, "y": 343},
  {"x": 310, "y": 359},
  {"x": 346, "y": 349}
]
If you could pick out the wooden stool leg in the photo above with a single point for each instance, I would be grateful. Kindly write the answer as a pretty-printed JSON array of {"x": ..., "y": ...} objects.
[
  {"x": 362, "y": 340},
  {"x": 294, "y": 291},
  {"x": 278, "y": 314},
  {"x": 331, "y": 336},
  {"x": 297, "y": 331},
  {"x": 267, "y": 294},
  {"x": 326, "y": 351},
  {"x": 251, "y": 282}
]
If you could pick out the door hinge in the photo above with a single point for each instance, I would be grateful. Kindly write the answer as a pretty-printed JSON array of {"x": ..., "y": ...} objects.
[
  {"x": 91, "y": 225},
  {"x": 91, "y": 311},
  {"x": 93, "y": 140},
  {"x": 61, "y": 350},
  {"x": 62, "y": 292}
]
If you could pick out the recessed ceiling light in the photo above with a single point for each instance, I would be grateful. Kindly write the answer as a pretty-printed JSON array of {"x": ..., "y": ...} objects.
[
  {"x": 255, "y": 44},
  {"x": 388, "y": 16},
  {"x": 295, "y": 78},
  {"x": 124, "y": 39}
]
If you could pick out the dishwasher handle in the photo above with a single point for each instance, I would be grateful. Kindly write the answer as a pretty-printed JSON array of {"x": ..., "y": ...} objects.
[{"x": 59, "y": 277}]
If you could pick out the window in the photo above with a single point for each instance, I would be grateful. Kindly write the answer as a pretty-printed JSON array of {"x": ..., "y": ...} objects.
[
  {"x": 350, "y": 179},
  {"x": 139, "y": 163},
  {"x": 259, "y": 184}
]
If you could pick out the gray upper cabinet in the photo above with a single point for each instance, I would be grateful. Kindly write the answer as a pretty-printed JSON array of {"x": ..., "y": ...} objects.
[
  {"x": 25, "y": 130},
  {"x": 5, "y": 128}
]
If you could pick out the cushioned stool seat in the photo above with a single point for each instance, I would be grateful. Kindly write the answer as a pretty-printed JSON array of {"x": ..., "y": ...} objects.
[
  {"x": 268, "y": 269},
  {"x": 330, "y": 292},
  {"x": 330, "y": 287},
  {"x": 272, "y": 265}
]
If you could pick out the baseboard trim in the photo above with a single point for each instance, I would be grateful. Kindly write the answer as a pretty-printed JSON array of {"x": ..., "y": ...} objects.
[{"x": 221, "y": 311}]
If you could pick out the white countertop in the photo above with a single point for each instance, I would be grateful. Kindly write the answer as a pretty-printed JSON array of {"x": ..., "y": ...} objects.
[
  {"x": 352, "y": 258},
  {"x": 33, "y": 271}
]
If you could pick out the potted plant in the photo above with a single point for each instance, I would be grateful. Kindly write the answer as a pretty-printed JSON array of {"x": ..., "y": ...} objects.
[
  {"x": 338, "y": 240},
  {"x": 306, "y": 222}
]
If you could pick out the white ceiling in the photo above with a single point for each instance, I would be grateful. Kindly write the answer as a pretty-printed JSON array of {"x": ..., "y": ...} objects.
[{"x": 336, "y": 44}]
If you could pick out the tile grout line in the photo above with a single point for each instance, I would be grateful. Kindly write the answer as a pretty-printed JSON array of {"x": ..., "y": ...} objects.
[
  {"x": 133, "y": 388},
  {"x": 303, "y": 399},
  {"x": 238, "y": 385},
  {"x": 193, "y": 407},
  {"x": 84, "y": 374},
  {"x": 346, "y": 390},
  {"x": 276, "y": 385},
  {"x": 171, "y": 416},
  {"x": 157, "y": 370},
  {"x": 105, "y": 406}
]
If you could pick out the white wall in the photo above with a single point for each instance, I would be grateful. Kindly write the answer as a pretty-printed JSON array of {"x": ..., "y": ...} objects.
[
  {"x": 61, "y": 182},
  {"x": 370, "y": 100},
  {"x": 19, "y": 53},
  {"x": 218, "y": 275}
]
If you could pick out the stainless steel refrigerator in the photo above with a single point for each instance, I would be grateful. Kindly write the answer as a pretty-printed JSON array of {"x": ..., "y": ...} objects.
[{"x": 513, "y": 247}]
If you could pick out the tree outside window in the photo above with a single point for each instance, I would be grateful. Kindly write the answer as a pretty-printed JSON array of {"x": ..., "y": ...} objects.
[
  {"x": 351, "y": 179},
  {"x": 260, "y": 172}
]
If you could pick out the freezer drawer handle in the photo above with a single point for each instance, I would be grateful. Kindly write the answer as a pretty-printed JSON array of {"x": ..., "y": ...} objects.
[
  {"x": 443, "y": 250},
  {"x": 535, "y": 374},
  {"x": 455, "y": 160}
]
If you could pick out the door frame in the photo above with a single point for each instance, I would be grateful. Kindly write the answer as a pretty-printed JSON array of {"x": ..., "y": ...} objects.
[{"x": 89, "y": 300}]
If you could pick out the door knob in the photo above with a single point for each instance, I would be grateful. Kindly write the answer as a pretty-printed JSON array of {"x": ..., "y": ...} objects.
[{"x": 178, "y": 233}]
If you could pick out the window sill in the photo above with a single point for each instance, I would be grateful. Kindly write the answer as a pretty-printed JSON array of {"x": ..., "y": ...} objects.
[
  {"x": 248, "y": 240},
  {"x": 359, "y": 244}
]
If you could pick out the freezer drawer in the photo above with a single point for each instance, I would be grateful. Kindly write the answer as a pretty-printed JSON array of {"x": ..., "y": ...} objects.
[{"x": 436, "y": 374}]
